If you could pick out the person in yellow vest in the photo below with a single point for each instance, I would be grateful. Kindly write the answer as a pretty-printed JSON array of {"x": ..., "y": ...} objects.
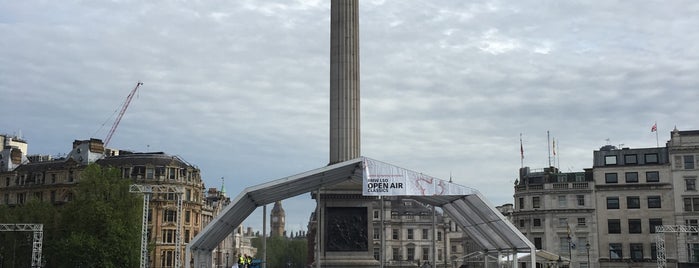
[
  {"x": 241, "y": 261},
  {"x": 248, "y": 261}
]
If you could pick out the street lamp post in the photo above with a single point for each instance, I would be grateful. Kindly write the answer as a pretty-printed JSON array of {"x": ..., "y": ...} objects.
[
  {"x": 558, "y": 262},
  {"x": 587, "y": 246},
  {"x": 227, "y": 260},
  {"x": 570, "y": 251}
]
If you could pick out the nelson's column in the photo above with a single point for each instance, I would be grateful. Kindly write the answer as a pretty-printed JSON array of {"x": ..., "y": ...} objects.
[{"x": 344, "y": 212}]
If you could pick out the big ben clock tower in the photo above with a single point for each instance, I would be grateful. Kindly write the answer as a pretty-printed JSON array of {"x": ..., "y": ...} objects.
[{"x": 278, "y": 219}]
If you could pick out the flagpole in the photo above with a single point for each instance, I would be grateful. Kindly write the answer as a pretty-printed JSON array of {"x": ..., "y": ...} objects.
[
  {"x": 548, "y": 146},
  {"x": 521, "y": 151}
]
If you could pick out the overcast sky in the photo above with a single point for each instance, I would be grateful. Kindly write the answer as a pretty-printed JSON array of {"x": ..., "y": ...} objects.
[{"x": 241, "y": 88}]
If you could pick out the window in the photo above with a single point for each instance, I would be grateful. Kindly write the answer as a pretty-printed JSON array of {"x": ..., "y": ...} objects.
[
  {"x": 688, "y": 162},
  {"x": 581, "y": 200},
  {"x": 425, "y": 253},
  {"x": 693, "y": 223},
  {"x": 411, "y": 254},
  {"x": 187, "y": 216},
  {"x": 168, "y": 236},
  {"x": 651, "y": 158},
  {"x": 582, "y": 222},
  {"x": 537, "y": 223},
  {"x": 631, "y": 177},
  {"x": 396, "y": 253},
  {"x": 693, "y": 250},
  {"x": 636, "y": 250},
  {"x": 410, "y": 234},
  {"x": 562, "y": 202},
  {"x": 614, "y": 226},
  {"x": 522, "y": 223},
  {"x": 615, "y": 252},
  {"x": 377, "y": 254},
  {"x": 610, "y": 178},
  {"x": 439, "y": 254},
  {"x": 654, "y": 222},
  {"x": 425, "y": 234},
  {"x": 537, "y": 242},
  {"x": 439, "y": 236},
  {"x": 521, "y": 203},
  {"x": 630, "y": 159},
  {"x": 635, "y": 226},
  {"x": 654, "y": 202},
  {"x": 690, "y": 184},
  {"x": 394, "y": 215},
  {"x": 582, "y": 241},
  {"x": 691, "y": 204},
  {"x": 376, "y": 214},
  {"x": 394, "y": 234},
  {"x": 613, "y": 202},
  {"x": 633, "y": 202},
  {"x": 653, "y": 251},
  {"x": 377, "y": 233},
  {"x": 149, "y": 173},
  {"x": 536, "y": 202},
  {"x": 563, "y": 244},
  {"x": 652, "y": 176},
  {"x": 562, "y": 222},
  {"x": 169, "y": 215},
  {"x": 186, "y": 236},
  {"x": 610, "y": 160}
]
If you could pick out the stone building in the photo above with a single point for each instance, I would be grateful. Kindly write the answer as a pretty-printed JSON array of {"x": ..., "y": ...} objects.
[
  {"x": 555, "y": 211},
  {"x": 683, "y": 154},
  {"x": 616, "y": 205},
  {"x": 53, "y": 180},
  {"x": 633, "y": 192},
  {"x": 408, "y": 233}
]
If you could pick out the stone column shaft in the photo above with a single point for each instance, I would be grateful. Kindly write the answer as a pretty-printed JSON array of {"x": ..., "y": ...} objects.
[{"x": 344, "y": 81}]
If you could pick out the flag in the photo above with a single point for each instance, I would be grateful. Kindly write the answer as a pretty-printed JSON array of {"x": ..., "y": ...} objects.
[
  {"x": 654, "y": 128},
  {"x": 521, "y": 147},
  {"x": 554, "y": 146}
]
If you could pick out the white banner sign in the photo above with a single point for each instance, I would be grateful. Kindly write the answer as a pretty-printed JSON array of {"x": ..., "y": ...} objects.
[{"x": 384, "y": 179}]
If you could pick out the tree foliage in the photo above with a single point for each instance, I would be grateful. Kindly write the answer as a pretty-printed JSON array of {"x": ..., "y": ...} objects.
[
  {"x": 100, "y": 228},
  {"x": 282, "y": 251}
]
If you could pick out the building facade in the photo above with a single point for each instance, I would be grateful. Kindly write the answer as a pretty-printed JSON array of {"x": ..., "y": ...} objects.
[
  {"x": 633, "y": 190},
  {"x": 616, "y": 206},
  {"x": 46, "y": 179},
  {"x": 555, "y": 211}
]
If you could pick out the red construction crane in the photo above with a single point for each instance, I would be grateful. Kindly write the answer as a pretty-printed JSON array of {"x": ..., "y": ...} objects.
[{"x": 121, "y": 113}]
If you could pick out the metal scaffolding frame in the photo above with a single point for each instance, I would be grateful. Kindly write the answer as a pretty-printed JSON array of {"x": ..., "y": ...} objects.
[
  {"x": 148, "y": 191},
  {"x": 660, "y": 231},
  {"x": 37, "y": 244}
]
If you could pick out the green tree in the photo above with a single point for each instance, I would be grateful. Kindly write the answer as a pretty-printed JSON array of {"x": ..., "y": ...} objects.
[
  {"x": 282, "y": 251},
  {"x": 101, "y": 227}
]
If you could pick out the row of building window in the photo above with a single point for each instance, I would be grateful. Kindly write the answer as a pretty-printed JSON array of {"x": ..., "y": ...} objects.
[
  {"x": 562, "y": 201},
  {"x": 631, "y": 177},
  {"x": 634, "y": 202},
  {"x": 562, "y": 222},
  {"x": 631, "y": 159},
  {"x": 616, "y": 251},
  {"x": 634, "y": 225},
  {"x": 38, "y": 179},
  {"x": 410, "y": 254},
  {"x": 395, "y": 234}
]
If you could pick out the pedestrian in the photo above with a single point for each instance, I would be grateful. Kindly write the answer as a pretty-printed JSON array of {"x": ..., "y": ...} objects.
[
  {"x": 241, "y": 261},
  {"x": 248, "y": 261}
]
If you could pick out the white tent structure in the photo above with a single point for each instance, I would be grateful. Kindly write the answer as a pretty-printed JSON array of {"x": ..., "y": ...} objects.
[{"x": 470, "y": 210}]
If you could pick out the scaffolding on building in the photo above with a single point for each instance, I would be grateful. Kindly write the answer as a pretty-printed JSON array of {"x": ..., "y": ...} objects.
[
  {"x": 37, "y": 243},
  {"x": 148, "y": 191},
  {"x": 660, "y": 231}
]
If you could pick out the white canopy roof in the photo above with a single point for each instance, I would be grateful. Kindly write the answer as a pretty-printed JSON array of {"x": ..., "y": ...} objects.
[{"x": 471, "y": 211}]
